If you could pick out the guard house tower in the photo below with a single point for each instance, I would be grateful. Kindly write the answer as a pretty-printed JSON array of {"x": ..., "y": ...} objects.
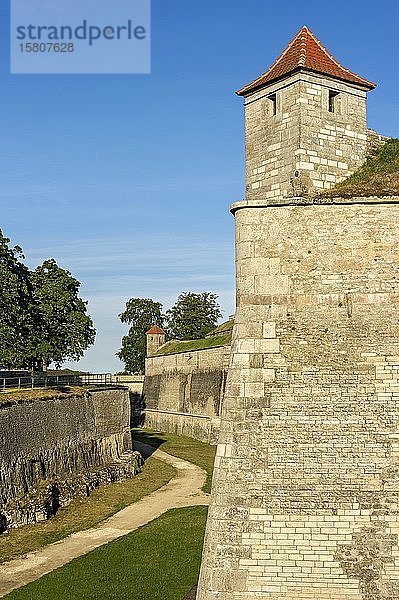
[
  {"x": 305, "y": 492},
  {"x": 305, "y": 122},
  {"x": 155, "y": 339}
]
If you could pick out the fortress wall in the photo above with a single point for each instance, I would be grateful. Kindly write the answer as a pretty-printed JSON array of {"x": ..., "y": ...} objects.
[
  {"x": 53, "y": 438},
  {"x": 182, "y": 389},
  {"x": 305, "y": 499}
]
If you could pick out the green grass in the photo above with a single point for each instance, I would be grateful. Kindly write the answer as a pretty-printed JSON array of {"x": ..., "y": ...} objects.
[
  {"x": 223, "y": 328},
  {"x": 379, "y": 176},
  {"x": 189, "y": 345},
  {"x": 159, "y": 561},
  {"x": 198, "y": 453},
  {"x": 88, "y": 512}
]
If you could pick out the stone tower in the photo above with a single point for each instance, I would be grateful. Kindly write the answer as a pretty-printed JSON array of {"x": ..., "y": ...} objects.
[
  {"x": 305, "y": 496},
  {"x": 305, "y": 122},
  {"x": 155, "y": 339}
]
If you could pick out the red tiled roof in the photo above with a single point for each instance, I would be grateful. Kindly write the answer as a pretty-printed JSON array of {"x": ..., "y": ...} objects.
[
  {"x": 306, "y": 52},
  {"x": 155, "y": 329}
]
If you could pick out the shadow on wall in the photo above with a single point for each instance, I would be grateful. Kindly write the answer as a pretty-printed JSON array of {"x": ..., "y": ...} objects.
[{"x": 137, "y": 408}]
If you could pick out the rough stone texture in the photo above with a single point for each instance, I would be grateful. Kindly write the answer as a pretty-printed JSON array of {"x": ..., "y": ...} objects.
[
  {"x": 182, "y": 392},
  {"x": 53, "y": 438},
  {"x": 45, "y": 498},
  {"x": 303, "y": 147},
  {"x": 199, "y": 427},
  {"x": 133, "y": 382},
  {"x": 375, "y": 140},
  {"x": 305, "y": 500}
]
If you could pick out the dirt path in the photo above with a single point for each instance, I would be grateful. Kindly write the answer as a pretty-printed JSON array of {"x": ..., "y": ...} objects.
[{"x": 183, "y": 490}]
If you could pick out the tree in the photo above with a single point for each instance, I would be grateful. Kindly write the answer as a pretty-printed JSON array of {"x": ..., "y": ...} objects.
[
  {"x": 193, "y": 315},
  {"x": 19, "y": 315},
  {"x": 140, "y": 314},
  {"x": 66, "y": 330}
]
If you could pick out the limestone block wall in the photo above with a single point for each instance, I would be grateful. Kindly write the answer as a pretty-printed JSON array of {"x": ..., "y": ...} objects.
[
  {"x": 43, "y": 439},
  {"x": 181, "y": 389},
  {"x": 305, "y": 498},
  {"x": 303, "y": 147},
  {"x": 199, "y": 427}
]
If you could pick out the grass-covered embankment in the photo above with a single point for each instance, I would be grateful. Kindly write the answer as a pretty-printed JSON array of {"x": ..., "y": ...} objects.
[
  {"x": 20, "y": 395},
  {"x": 190, "y": 345},
  {"x": 379, "y": 176},
  {"x": 221, "y": 336}
]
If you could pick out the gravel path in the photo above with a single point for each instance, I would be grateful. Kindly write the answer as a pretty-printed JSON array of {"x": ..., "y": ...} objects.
[{"x": 183, "y": 490}]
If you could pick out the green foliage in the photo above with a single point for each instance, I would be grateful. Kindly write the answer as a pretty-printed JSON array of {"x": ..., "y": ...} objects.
[
  {"x": 42, "y": 318},
  {"x": 66, "y": 330},
  {"x": 193, "y": 315},
  {"x": 140, "y": 314},
  {"x": 19, "y": 314},
  {"x": 159, "y": 560}
]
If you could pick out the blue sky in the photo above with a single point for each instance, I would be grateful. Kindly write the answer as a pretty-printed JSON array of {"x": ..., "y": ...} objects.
[{"x": 126, "y": 180}]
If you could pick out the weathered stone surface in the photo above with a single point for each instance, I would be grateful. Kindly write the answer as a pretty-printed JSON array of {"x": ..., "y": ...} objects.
[
  {"x": 307, "y": 462},
  {"x": 47, "y": 440},
  {"x": 44, "y": 499},
  {"x": 182, "y": 392},
  {"x": 304, "y": 147}
]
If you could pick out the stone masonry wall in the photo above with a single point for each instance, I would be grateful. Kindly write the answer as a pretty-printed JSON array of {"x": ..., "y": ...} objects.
[
  {"x": 181, "y": 389},
  {"x": 43, "y": 439},
  {"x": 303, "y": 147},
  {"x": 305, "y": 499}
]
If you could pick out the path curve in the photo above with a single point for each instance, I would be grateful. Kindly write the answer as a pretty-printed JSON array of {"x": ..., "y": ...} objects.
[{"x": 183, "y": 490}]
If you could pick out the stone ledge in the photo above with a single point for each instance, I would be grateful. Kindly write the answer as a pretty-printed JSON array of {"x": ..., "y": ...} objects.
[{"x": 301, "y": 201}]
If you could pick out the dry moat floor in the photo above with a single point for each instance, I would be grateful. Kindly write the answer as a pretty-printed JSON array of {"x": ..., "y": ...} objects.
[{"x": 163, "y": 555}]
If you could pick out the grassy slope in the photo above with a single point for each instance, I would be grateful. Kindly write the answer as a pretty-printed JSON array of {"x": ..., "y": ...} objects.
[
  {"x": 84, "y": 513},
  {"x": 26, "y": 395},
  {"x": 189, "y": 345},
  {"x": 186, "y": 448},
  {"x": 379, "y": 176},
  {"x": 158, "y": 561}
]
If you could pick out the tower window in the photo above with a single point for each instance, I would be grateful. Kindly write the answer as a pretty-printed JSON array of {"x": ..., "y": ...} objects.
[
  {"x": 332, "y": 97},
  {"x": 273, "y": 104}
]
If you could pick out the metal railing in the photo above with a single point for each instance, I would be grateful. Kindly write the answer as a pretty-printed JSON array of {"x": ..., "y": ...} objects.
[{"x": 42, "y": 380}]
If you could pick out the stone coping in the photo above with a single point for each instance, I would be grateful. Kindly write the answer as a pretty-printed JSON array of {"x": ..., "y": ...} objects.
[
  {"x": 301, "y": 201},
  {"x": 188, "y": 351},
  {"x": 180, "y": 414}
]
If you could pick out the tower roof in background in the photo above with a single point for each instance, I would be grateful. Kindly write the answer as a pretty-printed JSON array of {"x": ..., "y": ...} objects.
[
  {"x": 305, "y": 52},
  {"x": 155, "y": 329}
]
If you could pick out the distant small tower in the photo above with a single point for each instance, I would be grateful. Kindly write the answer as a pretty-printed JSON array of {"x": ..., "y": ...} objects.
[
  {"x": 305, "y": 122},
  {"x": 155, "y": 339}
]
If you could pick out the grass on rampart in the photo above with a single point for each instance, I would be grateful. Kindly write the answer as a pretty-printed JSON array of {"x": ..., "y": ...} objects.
[
  {"x": 26, "y": 395},
  {"x": 85, "y": 513},
  {"x": 159, "y": 561},
  {"x": 379, "y": 176},
  {"x": 193, "y": 451},
  {"x": 189, "y": 345}
]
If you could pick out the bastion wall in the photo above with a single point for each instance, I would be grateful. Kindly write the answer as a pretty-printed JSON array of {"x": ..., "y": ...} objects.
[
  {"x": 305, "y": 497},
  {"x": 48, "y": 440},
  {"x": 183, "y": 391}
]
